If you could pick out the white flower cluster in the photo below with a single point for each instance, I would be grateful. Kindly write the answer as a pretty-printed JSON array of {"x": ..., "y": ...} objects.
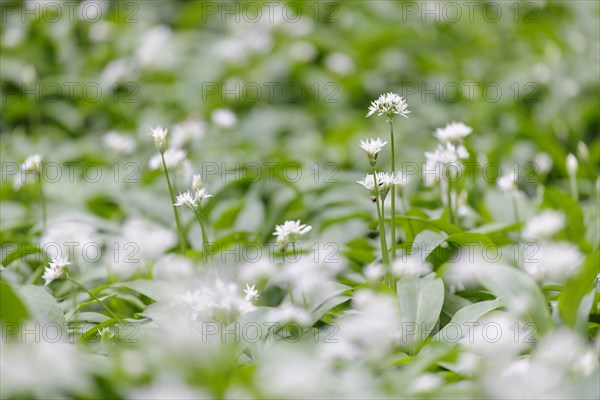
[
  {"x": 385, "y": 181},
  {"x": 32, "y": 163},
  {"x": 193, "y": 202},
  {"x": 289, "y": 232},
  {"x": 389, "y": 104},
  {"x": 450, "y": 151},
  {"x": 55, "y": 270}
]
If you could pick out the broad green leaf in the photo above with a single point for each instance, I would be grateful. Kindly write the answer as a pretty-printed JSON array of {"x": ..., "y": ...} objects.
[
  {"x": 421, "y": 301},
  {"x": 155, "y": 289},
  {"x": 468, "y": 314},
  {"x": 576, "y": 288},
  {"x": 518, "y": 292},
  {"x": 12, "y": 309}
]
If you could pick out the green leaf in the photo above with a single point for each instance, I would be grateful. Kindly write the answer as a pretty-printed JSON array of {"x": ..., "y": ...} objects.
[
  {"x": 156, "y": 290},
  {"x": 516, "y": 289},
  {"x": 421, "y": 301},
  {"x": 576, "y": 288},
  {"x": 468, "y": 314},
  {"x": 42, "y": 307},
  {"x": 12, "y": 309}
]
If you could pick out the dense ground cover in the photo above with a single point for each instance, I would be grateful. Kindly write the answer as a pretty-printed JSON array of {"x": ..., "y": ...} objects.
[{"x": 273, "y": 199}]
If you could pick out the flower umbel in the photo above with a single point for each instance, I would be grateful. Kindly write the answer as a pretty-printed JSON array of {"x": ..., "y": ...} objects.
[
  {"x": 193, "y": 202},
  {"x": 372, "y": 147},
  {"x": 454, "y": 132},
  {"x": 289, "y": 232},
  {"x": 55, "y": 270},
  {"x": 389, "y": 104}
]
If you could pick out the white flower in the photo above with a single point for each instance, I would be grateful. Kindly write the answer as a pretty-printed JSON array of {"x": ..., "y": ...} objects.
[
  {"x": 223, "y": 118},
  {"x": 55, "y": 270},
  {"x": 410, "y": 267},
  {"x": 159, "y": 135},
  {"x": 119, "y": 143},
  {"x": 197, "y": 182},
  {"x": 453, "y": 132},
  {"x": 583, "y": 151},
  {"x": 187, "y": 131},
  {"x": 33, "y": 163},
  {"x": 174, "y": 158},
  {"x": 193, "y": 202},
  {"x": 507, "y": 183},
  {"x": 287, "y": 313},
  {"x": 251, "y": 293},
  {"x": 186, "y": 199},
  {"x": 544, "y": 225},
  {"x": 572, "y": 164},
  {"x": 389, "y": 104},
  {"x": 447, "y": 153},
  {"x": 385, "y": 181},
  {"x": 372, "y": 147},
  {"x": 543, "y": 162},
  {"x": 552, "y": 262},
  {"x": 289, "y": 232}
]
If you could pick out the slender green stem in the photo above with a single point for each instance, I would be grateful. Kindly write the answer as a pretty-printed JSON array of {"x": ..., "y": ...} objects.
[
  {"x": 393, "y": 216},
  {"x": 515, "y": 207},
  {"x": 179, "y": 230},
  {"x": 203, "y": 228},
  {"x": 384, "y": 251},
  {"x": 43, "y": 201},
  {"x": 93, "y": 296},
  {"x": 449, "y": 200},
  {"x": 409, "y": 222},
  {"x": 291, "y": 292},
  {"x": 574, "y": 190}
]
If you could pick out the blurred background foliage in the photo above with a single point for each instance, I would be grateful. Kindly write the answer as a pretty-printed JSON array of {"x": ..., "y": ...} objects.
[{"x": 524, "y": 75}]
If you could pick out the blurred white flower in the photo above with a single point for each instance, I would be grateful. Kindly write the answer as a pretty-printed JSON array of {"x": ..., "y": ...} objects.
[
  {"x": 33, "y": 163},
  {"x": 119, "y": 143},
  {"x": 410, "y": 266},
  {"x": 223, "y": 118},
  {"x": 55, "y": 270},
  {"x": 543, "y": 162},
  {"x": 186, "y": 132},
  {"x": 251, "y": 293},
  {"x": 65, "y": 237},
  {"x": 582, "y": 151},
  {"x": 156, "y": 48},
  {"x": 544, "y": 225},
  {"x": 552, "y": 262},
  {"x": 507, "y": 183},
  {"x": 453, "y": 132},
  {"x": 174, "y": 159},
  {"x": 287, "y": 313},
  {"x": 389, "y": 104},
  {"x": 339, "y": 63},
  {"x": 572, "y": 164},
  {"x": 159, "y": 134},
  {"x": 374, "y": 272}
]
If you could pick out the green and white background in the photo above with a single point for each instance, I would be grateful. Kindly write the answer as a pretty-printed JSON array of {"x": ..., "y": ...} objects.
[{"x": 267, "y": 102}]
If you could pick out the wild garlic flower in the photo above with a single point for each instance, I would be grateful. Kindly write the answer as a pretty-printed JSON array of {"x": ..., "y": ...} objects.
[
  {"x": 223, "y": 118},
  {"x": 454, "y": 132},
  {"x": 33, "y": 163},
  {"x": 174, "y": 158},
  {"x": 197, "y": 182},
  {"x": 544, "y": 225},
  {"x": 193, "y": 202},
  {"x": 55, "y": 270},
  {"x": 187, "y": 131},
  {"x": 372, "y": 147},
  {"x": 289, "y": 232},
  {"x": 507, "y": 183},
  {"x": 159, "y": 134},
  {"x": 572, "y": 164},
  {"x": 251, "y": 293},
  {"x": 543, "y": 162},
  {"x": 119, "y": 143},
  {"x": 385, "y": 181},
  {"x": 389, "y": 104}
]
